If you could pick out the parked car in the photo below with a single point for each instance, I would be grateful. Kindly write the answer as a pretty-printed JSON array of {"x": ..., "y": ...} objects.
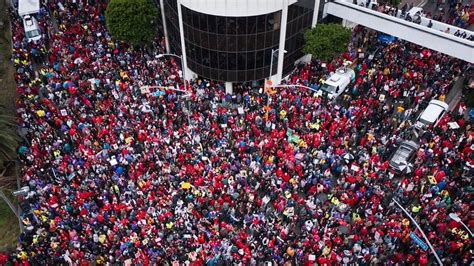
[
  {"x": 400, "y": 160},
  {"x": 432, "y": 114}
]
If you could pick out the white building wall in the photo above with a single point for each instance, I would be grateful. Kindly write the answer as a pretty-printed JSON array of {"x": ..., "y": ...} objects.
[
  {"x": 236, "y": 8},
  {"x": 433, "y": 38}
]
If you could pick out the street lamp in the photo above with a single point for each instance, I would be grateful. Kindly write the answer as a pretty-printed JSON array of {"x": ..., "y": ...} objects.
[
  {"x": 456, "y": 218},
  {"x": 271, "y": 61}
]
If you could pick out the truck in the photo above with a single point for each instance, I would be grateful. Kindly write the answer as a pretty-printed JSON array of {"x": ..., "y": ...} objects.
[
  {"x": 28, "y": 7},
  {"x": 338, "y": 82},
  {"x": 26, "y": 10}
]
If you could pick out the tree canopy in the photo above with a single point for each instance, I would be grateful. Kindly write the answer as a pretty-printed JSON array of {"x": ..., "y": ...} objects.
[
  {"x": 325, "y": 41},
  {"x": 132, "y": 21},
  {"x": 8, "y": 138}
]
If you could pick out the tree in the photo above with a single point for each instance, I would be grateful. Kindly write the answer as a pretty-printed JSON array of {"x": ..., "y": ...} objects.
[
  {"x": 8, "y": 139},
  {"x": 394, "y": 2},
  {"x": 325, "y": 41},
  {"x": 132, "y": 21}
]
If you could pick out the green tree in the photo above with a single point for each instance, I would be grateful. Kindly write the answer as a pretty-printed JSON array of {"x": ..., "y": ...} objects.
[
  {"x": 325, "y": 41},
  {"x": 132, "y": 21},
  {"x": 394, "y": 2},
  {"x": 8, "y": 139}
]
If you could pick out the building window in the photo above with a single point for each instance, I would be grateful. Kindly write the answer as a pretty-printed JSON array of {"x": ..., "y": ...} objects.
[{"x": 235, "y": 49}]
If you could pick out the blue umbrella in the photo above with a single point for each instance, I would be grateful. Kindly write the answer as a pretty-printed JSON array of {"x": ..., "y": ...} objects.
[{"x": 119, "y": 170}]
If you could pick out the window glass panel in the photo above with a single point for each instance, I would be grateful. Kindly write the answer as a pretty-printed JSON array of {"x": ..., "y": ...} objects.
[
  {"x": 204, "y": 39},
  {"x": 241, "y": 76},
  {"x": 231, "y": 43},
  {"x": 276, "y": 37},
  {"x": 250, "y": 60},
  {"x": 270, "y": 22},
  {"x": 213, "y": 56},
  {"x": 206, "y": 61},
  {"x": 203, "y": 22},
  {"x": 232, "y": 76},
  {"x": 195, "y": 16},
  {"x": 242, "y": 43},
  {"x": 242, "y": 25},
  {"x": 261, "y": 23},
  {"x": 221, "y": 43},
  {"x": 213, "y": 41},
  {"x": 232, "y": 57},
  {"x": 277, "y": 20},
  {"x": 221, "y": 25},
  {"x": 268, "y": 57},
  {"x": 206, "y": 72},
  {"x": 268, "y": 39},
  {"x": 222, "y": 60},
  {"x": 241, "y": 58},
  {"x": 223, "y": 75},
  {"x": 231, "y": 26},
  {"x": 250, "y": 74},
  {"x": 211, "y": 23},
  {"x": 260, "y": 41},
  {"x": 252, "y": 25},
  {"x": 198, "y": 57},
  {"x": 259, "y": 59},
  {"x": 214, "y": 73},
  {"x": 251, "y": 42},
  {"x": 259, "y": 74}
]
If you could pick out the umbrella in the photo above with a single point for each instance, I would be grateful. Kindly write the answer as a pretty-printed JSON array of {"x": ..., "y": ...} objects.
[
  {"x": 40, "y": 113},
  {"x": 322, "y": 197},
  {"x": 343, "y": 229},
  {"x": 348, "y": 157},
  {"x": 406, "y": 167},
  {"x": 185, "y": 185}
]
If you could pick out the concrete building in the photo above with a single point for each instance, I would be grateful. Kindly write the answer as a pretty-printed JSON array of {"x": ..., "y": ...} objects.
[{"x": 236, "y": 41}]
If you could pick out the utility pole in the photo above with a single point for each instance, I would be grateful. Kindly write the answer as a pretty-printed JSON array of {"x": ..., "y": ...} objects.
[{"x": 421, "y": 231}]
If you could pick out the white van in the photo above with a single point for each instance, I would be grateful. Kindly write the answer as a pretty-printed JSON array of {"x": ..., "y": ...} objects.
[
  {"x": 432, "y": 114},
  {"x": 338, "y": 82},
  {"x": 26, "y": 10},
  {"x": 32, "y": 30}
]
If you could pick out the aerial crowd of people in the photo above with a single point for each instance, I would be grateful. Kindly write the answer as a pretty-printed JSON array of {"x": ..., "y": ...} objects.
[{"x": 123, "y": 173}]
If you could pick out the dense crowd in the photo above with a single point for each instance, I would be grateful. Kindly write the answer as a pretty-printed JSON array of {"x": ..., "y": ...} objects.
[
  {"x": 118, "y": 173},
  {"x": 459, "y": 15}
]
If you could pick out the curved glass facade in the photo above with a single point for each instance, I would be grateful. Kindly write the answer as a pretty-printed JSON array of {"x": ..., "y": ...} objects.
[
  {"x": 235, "y": 49},
  {"x": 300, "y": 17}
]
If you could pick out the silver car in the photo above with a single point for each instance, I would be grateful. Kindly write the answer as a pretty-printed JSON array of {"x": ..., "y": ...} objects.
[{"x": 400, "y": 160}]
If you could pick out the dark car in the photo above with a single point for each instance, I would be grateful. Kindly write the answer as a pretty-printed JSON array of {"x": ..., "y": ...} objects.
[{"x": 400, "y": 160}]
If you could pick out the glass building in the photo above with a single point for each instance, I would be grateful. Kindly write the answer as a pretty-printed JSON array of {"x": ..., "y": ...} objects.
[{"x": 233, "y": 41}]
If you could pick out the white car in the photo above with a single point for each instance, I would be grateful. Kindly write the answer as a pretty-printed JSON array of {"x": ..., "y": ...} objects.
[
  {"x": 432, "y": 114},
  {"x": 32, "y": 31}
]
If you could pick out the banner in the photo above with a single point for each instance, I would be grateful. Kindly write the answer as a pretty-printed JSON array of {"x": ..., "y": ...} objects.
[{"x": 418, "y": 241}]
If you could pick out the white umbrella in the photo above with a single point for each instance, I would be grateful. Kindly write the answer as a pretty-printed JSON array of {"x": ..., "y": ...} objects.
[
  {"x": 348, "y": 156},
  {"x": 406, "y": 167}
]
